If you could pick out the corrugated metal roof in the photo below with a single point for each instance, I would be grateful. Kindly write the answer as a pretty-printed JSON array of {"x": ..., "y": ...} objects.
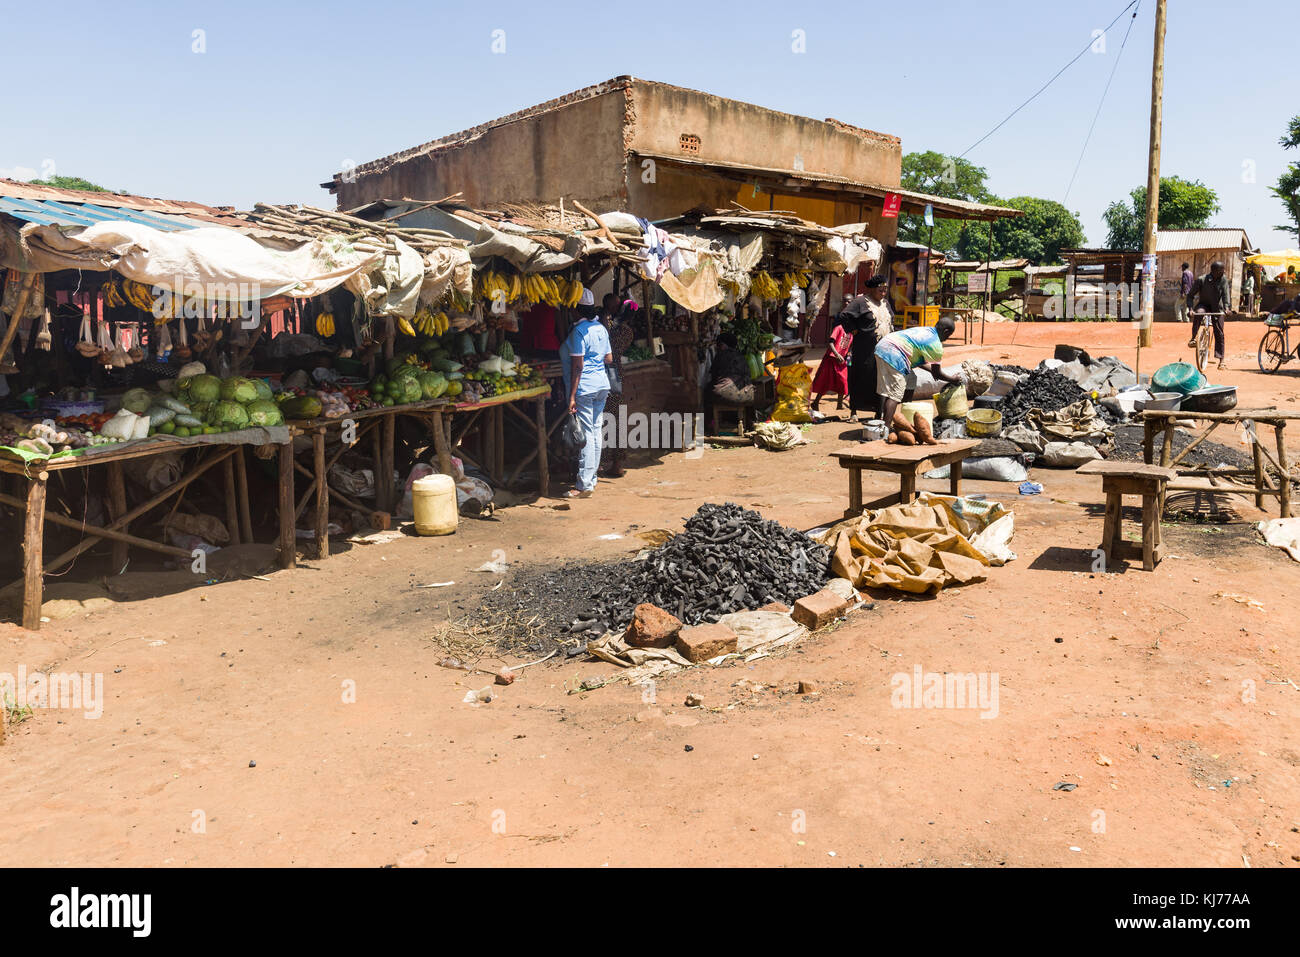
[
  {"x": 52, "y": 205},
  {"x": 1192, "y": 240},
  {"x": 50, "y": 212}
]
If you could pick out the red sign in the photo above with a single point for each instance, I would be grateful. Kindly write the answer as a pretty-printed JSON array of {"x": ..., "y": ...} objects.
[{"x": 892, "y": 204}]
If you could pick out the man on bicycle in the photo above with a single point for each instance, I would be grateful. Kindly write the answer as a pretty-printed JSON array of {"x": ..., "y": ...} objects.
[{"x": 1209, "y": 295}]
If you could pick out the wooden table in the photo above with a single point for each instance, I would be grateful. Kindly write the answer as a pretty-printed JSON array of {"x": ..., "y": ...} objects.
[
  {"x": 32, "y": 504},
  {"x": 909, "y": 462},
  {"x": 1204, "y": 479},
  {"x": 438, "y": 416},
  {"x": 381, "y": 425},
  {"x": 1132, "y": 478}
]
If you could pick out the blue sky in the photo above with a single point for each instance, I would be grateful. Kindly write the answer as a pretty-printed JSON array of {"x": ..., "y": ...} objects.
[{"x": 285, "y": 93}]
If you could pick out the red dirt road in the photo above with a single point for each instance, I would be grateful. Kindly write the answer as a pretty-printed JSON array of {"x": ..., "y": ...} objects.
[{"x": 1172, "y": 709}]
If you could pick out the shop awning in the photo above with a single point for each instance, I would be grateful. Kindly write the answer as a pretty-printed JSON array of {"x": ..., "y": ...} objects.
[{"x": 801, "y": 181}]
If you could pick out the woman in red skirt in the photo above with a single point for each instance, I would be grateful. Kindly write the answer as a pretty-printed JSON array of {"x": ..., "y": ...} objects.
[{"x": 833, "y": 373}]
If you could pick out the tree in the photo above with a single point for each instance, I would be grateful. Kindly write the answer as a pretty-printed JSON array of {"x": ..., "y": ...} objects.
[
  {"x": 70, "y": 182},
  {"x": 1288, "y": 184},
  {"x": 940, "y": 175},
  {"x": 1184, "y": 204},
  {"x": 1039, "y": 236}
]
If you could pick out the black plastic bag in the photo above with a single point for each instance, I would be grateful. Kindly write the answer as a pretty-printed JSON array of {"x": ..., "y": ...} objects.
[{"x": 572, "y": 436}]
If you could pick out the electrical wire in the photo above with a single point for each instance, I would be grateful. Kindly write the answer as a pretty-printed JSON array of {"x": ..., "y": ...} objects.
[
  {"x": 1074, "y": 60},
  {"x": 1079, "y": 162}
]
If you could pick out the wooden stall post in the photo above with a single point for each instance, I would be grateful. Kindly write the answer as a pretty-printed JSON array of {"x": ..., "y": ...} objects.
[
  {"x": 288, "y": 538},
  {"x": 232, "y": 504},
  {"x": 117, "y": 506},
  {"x": 1283, "y": 466},
  {"x": 33, "y": 548},
  {"x": 322, "y": 495},
  {"x": 440, "y": 442},
  {"x": 543, "y": 466},
  {"x": 389, "y": 464},
  {"x": 245, "y": 506}
]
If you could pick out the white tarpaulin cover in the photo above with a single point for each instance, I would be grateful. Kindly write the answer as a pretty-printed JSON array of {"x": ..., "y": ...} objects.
[{"x": 208, "y": 255}]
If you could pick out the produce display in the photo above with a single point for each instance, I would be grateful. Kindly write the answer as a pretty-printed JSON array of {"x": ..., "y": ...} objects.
[
  {"x": 41, "y": 438},
  {"x": 456, "y": 365}
]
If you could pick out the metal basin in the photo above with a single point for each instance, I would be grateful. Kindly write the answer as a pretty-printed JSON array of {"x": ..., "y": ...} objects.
[{"x": 1221, "y": 398}]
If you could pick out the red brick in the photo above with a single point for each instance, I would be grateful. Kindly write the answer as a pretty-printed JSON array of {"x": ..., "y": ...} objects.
[
  {"x": 820, "y": 609},
  {"x": 652, "y": 627},
  {"x": 702, "y": 642}
]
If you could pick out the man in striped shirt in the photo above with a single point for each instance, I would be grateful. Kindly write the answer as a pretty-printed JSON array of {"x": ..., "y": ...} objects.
[{"x": 897, "y": 355}]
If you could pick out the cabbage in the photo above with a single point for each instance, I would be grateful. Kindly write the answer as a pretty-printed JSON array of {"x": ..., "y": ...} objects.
[
  {"x": 237, "y": 389},
  {"x": 137, "y": 401},
  {"x": 263, "y": 390},
  {"x": 203, "y": 388},
  {"x": 229, "y": 415},
  {"x": 264, "y": 412},
  {"x": 432, "y": 385}
]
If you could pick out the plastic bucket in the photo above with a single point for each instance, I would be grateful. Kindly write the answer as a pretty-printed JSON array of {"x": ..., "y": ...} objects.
[
  {"x": 433, "y": 500},
  {"x": 983, "y": 422},
  {"x": 923, "y": 406}
]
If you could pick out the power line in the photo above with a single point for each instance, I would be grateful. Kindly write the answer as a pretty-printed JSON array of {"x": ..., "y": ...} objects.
[
  {"x": 1101, "y": 102},
  {"x": 1074, "y": 60}
]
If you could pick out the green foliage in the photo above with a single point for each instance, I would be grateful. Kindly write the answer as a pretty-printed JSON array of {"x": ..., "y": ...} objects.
[
  {"x": 1288, "y": 184},
  {"x": 70, "y": 182},
  {"x": 1184, "y": 204},
  {"x": 1039, "y": 236},
  {"x": 940, "y": 175}
]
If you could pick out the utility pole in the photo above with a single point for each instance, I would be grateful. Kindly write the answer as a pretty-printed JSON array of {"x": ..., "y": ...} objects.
[{"x": 1153, "y": 187}]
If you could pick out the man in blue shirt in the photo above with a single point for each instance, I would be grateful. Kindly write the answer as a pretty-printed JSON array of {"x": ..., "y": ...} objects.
[{"x": 588, "y": 352}]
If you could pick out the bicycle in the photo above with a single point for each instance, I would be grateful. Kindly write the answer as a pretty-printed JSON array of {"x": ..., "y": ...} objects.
[
  {"x": 1203, "y": 341},
  {"x": 1275, "y": 348}
]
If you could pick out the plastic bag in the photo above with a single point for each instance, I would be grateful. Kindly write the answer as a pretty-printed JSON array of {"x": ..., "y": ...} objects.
[
  {"x": 572, "y": 436},
  {"x": 1067, "y": 455},
  {"x": 991, "y": 468},
  {"x": 793, "y": 389}
]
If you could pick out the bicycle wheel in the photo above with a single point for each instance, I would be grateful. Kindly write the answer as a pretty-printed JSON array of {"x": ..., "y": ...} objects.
[
  {"x": 1272, "y": 351},
  {"x": 1203, "y": 339}
]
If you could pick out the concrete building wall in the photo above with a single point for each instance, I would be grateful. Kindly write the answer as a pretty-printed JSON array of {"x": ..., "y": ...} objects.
[
  {"x": 729, "y": 131},
  {"x": 573, "y": 150},
  {"x": 578, "y": 147}
]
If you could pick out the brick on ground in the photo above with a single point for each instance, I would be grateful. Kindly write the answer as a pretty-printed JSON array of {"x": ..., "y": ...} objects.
[
  {"x": 701, "y": 642},
  {"x": 819, "y": 609}
]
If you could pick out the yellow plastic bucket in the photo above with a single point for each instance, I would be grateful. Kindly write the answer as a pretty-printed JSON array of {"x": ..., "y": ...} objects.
[
  {"x": 923, "y": 406},
  {"x": 434, "y": 501}
]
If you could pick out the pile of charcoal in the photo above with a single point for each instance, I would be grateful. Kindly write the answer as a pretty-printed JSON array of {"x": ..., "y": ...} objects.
[
  {"x": 1043, "y": 389},
  {"x": 728, "y": 559}
]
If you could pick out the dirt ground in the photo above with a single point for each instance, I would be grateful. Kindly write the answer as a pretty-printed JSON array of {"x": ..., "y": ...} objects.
[{"x": 1165, "y": 697}]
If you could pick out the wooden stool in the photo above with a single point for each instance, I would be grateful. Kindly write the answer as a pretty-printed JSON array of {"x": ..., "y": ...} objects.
[
  {"x": 743, "y": 414},
  {"x": 1132, "y": 478}
]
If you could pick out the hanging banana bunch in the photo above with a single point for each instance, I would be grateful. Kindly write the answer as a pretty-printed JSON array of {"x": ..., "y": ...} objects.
[
  {"x": 765, "y": 287},
  {"x": 325, "y": 324}
]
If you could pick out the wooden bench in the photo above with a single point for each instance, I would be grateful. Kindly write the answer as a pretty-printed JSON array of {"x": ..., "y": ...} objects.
[
  {"x": 908, "y": 462},
  {"x": 1132, "y": 478}
]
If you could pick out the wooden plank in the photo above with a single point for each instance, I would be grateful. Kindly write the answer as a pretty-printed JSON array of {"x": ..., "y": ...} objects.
[
  {"x": 384, "y": 483},
  {"x": 543, "y": 464},
  {"x": 1236, "y": 415},
  {"x": 219, "y": 455},
  {"x": 241, "y": 489},
  {"x": 322, "y": 496},
  {"x": 855, "y": 491},
  {"x": 232, "y": 502},
  {"x": 288, "y": 539},
  {"x": 33, "y": 546},
  {"x": 117, "y": 508},
  {"x": 1258, "y": 460},
  {"x": 1150, "y": 531},
  {"x": 98, "y": 532},
  {"x": 1110, "y": 527},
  {"x": 1112, "y": 468},
  {"x": 440, "y": 443},
  {"x": 1284, "y": 466}
]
